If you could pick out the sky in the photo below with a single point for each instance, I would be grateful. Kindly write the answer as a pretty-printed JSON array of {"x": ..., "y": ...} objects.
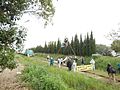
[{"x": 74, "y": 17}]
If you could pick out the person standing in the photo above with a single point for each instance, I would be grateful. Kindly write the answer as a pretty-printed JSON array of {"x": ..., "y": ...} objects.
[
  {"x": 69, "y": 64},
  {"x": 118, "y": 68},
  {"x": 74, "y": 66},
  {"x": 92, "y": 62},
  {"x": 48, "y": 59},
  {"x": 82, "y": 61},
  {"x": 51, "y": 61},
  {"x": 59, "y": 62}
]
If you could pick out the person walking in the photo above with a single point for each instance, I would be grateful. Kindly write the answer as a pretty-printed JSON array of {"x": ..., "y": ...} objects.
[{"x": 111, "y": 72}]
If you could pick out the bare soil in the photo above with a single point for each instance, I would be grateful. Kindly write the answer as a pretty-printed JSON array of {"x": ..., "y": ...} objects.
[{"x": 9, "y": 80}]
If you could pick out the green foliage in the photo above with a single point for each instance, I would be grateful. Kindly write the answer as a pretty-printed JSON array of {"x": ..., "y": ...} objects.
[
  {"x": 10, "y": 40},
  {"x": 102, "y": 49},
  {"x": 40, "y": 79},
  {"x": 58, "y": 46},
  {"x": 12, "y": 10},
  {"x": 81, "y": 46},
  {"x": 12, "y": 37},
  {"x": 116, "y": 45},
  {"x": 92, "y": 44},
  {"x": 101, "y": 62},
  {"x": 76, "y": 45},
  {"x": 7, "y": 58}
]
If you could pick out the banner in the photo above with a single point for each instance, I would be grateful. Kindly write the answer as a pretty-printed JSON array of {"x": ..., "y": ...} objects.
[{"x": 84, "y": 67}]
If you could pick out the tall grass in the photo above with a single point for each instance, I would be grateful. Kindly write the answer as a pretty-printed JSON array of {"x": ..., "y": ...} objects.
[
  {"x": 39, "y": 79},
  {"x": 78, "y": 81}
]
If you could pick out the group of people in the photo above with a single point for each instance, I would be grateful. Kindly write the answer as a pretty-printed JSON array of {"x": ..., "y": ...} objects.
[{"x": 71, "y": 64}]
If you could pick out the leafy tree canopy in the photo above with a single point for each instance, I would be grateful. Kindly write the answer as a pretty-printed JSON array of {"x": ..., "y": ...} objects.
[
  {"x": 116, "y": 45},
  {"x": 12, "y": 10},
  {"x": 12, "y": 37}
]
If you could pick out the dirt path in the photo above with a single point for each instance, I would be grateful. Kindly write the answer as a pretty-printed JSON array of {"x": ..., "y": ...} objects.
[
  {"x": 97, "y": 76},
  {"x": 9, "y": 79}
]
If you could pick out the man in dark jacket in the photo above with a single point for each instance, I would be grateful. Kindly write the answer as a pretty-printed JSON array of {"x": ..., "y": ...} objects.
[{"x": 69, "y": 65}]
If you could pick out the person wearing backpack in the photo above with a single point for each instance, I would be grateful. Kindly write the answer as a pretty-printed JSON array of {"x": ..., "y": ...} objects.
[
  {"x": 111, "y": 72},
  {"x": 69, "y": 64}
]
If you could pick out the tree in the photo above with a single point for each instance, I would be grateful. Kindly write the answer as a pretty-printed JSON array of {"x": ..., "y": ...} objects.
[
  {"x": 11, "y": 37},
  {"x": 55, "y": 47},
  {"x": 116, "y": 45},
  {"x": 10, "y": 40},
  {"x": 45, "y": 48},
  {"x": 76, "y": 44},
  {"x": 72, "y": 46},
  {"x": 88, "y": 45},
  {"x": 58, "y": 46},
  {"x": 114, "y": 35},
  {"x": 81, "y": 46},
  {"x": 92, "y": 44},
  {"x": 12, "y": 10},
  {"x": 85, "y": 46},
  {"x": 102, "y": 49}
]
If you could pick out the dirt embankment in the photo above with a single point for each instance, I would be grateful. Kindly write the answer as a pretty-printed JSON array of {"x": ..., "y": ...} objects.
[{"x": 9, "y": 79}]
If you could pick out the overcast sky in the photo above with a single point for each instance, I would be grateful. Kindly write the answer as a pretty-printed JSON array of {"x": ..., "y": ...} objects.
[{"x": 75, "y": 17}]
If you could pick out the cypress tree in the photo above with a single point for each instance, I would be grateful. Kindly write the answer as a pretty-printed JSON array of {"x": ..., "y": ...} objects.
[
  {"x": 45, "y": 48},
  {"x": 71, "y": 46},
  {"x": 55, "y": 47},
  {"x": 81, "y": 46},
  {"x": 58, "y": 47},
  {"x": 84, "y": 46},
  {"x": 92, "y": 44},
  {"x": 76, "y": 45},
  {"x": 88, "y": 45}
]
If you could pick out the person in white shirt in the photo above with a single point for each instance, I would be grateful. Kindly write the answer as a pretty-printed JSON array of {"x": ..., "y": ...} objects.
[
  {"x": 92, "y": 62},
  {"x": 74, "y": 66},
  {"x": 59, "y": 62},
  {"x": 48, "y": 59}
]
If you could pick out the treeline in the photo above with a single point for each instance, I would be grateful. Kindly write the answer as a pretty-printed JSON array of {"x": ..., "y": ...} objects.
[{"x": 77, "y": 46}]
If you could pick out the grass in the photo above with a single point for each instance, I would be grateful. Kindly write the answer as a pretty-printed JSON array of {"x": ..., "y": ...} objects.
[{"x": 39, "y": 76}]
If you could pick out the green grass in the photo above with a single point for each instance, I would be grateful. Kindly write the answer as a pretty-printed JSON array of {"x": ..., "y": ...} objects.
[{"x": 40, "y": 76}]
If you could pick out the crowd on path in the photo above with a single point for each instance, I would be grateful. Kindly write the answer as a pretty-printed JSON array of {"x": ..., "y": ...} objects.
[
  {"x": 69, "y": 61},
  {"x": 72, "y": 65}
]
